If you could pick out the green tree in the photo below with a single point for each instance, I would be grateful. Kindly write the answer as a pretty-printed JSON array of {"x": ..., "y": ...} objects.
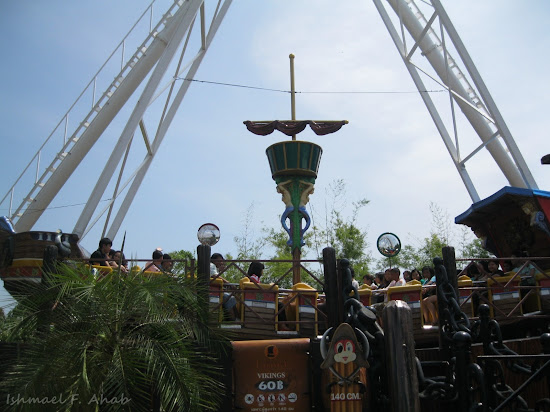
[
  {"x": 342, "y": 232},
  {"x": 117, "y": 337},
  {"x": 408, "y": 258},
  {"x": 430, "y": 249},
  {"x": 282, "y": 271},
  {"x": 470, "y": 248},
  {"x": 185, "y": 258},
  {"x": 248, "y": 245},
  {"x": 442, "y": 233},
  {"x": 278, "y": 271}
]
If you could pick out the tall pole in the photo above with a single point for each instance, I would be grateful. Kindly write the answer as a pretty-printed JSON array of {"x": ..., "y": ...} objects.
[
  {"x": 292, "y": 92},
  {"x": 294, "y": 166},
  {"x": 296, "y": 219}
]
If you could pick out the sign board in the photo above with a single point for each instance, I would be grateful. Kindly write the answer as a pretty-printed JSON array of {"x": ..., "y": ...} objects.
[{"x": 271, "y": 375}]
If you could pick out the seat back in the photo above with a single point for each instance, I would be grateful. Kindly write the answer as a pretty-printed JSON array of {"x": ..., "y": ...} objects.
[
  {"x": 365, "y": 294},
  {"x": 412, "y": 295},
  {"x": 465, "y": 300},
  {"x": 259, "y": 305},
  {"x": 504, "y": 299},
  {"x": 215, "y": 298},
  {"x": 305, "y": 307}
]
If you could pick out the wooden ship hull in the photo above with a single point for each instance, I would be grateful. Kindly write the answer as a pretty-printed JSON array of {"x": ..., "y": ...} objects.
[{"x": 21, "y": 255}]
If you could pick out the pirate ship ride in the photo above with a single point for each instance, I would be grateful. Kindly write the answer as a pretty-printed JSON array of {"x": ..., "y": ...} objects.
[{"x": 294, "y": 368}]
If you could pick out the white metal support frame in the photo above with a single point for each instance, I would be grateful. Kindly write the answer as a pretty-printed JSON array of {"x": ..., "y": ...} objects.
[
  {"x": 477, "y": 106},
  {"x": 182, "y": 21},
  {"x": 167, "y": 120},
  {"x": 149, "y": 64}
]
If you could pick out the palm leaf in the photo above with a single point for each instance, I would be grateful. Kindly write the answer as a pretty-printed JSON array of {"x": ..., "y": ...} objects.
[{"x": 122, "y": 338}]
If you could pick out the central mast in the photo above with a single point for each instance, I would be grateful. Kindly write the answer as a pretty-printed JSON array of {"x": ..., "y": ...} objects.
[{"x": 294, "y": 165}]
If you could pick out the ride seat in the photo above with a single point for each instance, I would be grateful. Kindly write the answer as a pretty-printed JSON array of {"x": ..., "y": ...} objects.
[
  {"x": 215, "y": 298},
  {"x": 503, "y": 300},
  {"x": 465, "y": 291},
  {"x": 259, "y": 305},
  {"x": 365, "y": 295},
  {"x": 412, "y": 295},
  {"x": 303, "y": 309}
]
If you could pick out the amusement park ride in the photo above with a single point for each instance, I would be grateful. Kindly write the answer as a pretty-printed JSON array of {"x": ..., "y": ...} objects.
[{"x": 515, "y": 218}]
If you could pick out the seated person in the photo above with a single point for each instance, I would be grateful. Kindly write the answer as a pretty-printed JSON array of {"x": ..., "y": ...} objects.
[
  {"x": 520, "y": 266},
  {"x": 255, "y": 271},
  {"x": 118, "y": 260},
  {"x": 427, "y": 275},
  {"x": 369, "y": 281},
  {"x": 101, "y": 256},
  {"x": 429, "y": 304},
  {"x": 415, "y": 275},
  {"x": 217, "y": 263},
  {"x": 430, "y": 296},
  {"x": 507, "y": 266},
  {"x": 393, "y": 277},
  {"x": 526, "y": 270},
  {"x": 379, "y": 280},
  {"x": 167, "y": 264},
  {"x": 491, "y": 270},
  {"x": 156, "y": 264},
  {"x": 119, "y": 257},
  {"x": 382, "y": 281},
  {"x": 229, "y": 304}
]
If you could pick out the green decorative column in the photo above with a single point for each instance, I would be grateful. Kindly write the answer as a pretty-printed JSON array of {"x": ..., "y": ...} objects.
[{"x": 294, "y": 165}]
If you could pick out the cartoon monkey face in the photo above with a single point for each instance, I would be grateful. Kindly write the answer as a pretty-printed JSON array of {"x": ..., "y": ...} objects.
[{"x": 344, "y": 351}]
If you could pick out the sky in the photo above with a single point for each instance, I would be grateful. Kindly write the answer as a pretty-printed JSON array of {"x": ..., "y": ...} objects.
[{"x": 210, "y": 169}]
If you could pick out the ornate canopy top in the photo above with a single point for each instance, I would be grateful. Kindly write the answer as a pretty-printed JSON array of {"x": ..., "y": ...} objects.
[{"x": 293, "y": 127}]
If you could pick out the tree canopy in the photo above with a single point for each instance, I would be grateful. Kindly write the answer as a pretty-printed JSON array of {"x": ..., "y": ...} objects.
[{"x": 442, "y": 234}]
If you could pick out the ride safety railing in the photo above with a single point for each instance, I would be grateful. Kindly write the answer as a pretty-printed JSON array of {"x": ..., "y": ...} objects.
[
  {"x": 273, "y": 305},
  {"x": 522, "y": 291}
]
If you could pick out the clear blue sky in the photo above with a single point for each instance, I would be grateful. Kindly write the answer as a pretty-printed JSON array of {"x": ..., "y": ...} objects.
[{"x": 210, "y": 169}]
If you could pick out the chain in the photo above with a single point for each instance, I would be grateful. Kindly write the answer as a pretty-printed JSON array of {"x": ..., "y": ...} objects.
[{"x": 435, "y": 388}]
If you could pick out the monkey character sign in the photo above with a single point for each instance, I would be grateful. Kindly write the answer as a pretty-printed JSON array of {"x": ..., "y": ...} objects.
[{"x": 345, "y": 359}]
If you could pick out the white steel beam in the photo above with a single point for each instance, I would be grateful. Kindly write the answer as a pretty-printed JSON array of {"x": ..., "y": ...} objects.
[
  {"x": 440, "y": 125},
  {"x": 487, "y": 98},
  {"x": 487, "y": 126},
  {"x": 182, "y": 20},
  {"x": 89, "y": 137},
  {"x": 167, "y": 120}
]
